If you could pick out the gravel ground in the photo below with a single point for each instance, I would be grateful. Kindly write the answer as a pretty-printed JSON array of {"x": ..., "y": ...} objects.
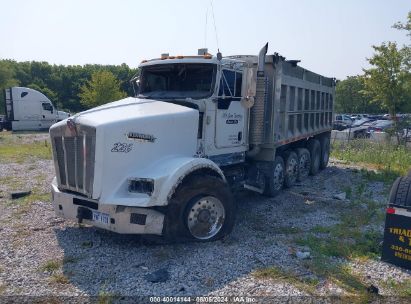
[{"x": 89, "y": 262}]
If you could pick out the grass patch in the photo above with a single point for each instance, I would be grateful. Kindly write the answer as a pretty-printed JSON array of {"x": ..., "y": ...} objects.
[
  {"x": 401, "y": 289},
  {"x": 2, "y": 289},
  {"x": 339, "y": 274},
  {"x": 391, "y": 160},
  {"x": 353, "y": 237},
  {"x": 12, "y": 151},
  {"x": 87, "y": 244},
  {"x": 386, "y": 176},
  {"x": 106, "y": 297},
  {"x": 276, "y": 274},
  {"x": 51, "y": 265},
  {"x": 35, "y": 196},
  {"x": 350, "y": 237},
  {"x": 286, "y": 230},
  {"x": 59, "y": 278}
]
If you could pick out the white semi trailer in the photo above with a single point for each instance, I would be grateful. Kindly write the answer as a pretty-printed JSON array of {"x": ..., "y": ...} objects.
[
  {"x": 29, "y": 110},
  {"x": 167, "y": 161}
]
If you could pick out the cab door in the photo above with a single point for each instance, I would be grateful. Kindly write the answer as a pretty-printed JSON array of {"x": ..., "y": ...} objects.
[
  {"x": 48, "y": 114},
  {"x": 230, "y": 114}
]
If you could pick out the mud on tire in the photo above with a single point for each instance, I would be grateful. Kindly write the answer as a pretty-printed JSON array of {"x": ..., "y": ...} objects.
[
  {"x": 206, "y": 190},
  {"x": 304, "y": 163},
  {"x": 291, "y": 169},
  {"x": 315, "y": 153},
  {"x": 325, "y": 150}
]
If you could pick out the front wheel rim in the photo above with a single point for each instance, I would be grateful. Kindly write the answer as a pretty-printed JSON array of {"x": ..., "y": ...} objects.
[{"x": 205, "y": 218}]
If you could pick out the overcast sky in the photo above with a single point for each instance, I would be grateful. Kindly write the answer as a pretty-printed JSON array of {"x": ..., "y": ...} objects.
[{"x": 332, "y": 38}]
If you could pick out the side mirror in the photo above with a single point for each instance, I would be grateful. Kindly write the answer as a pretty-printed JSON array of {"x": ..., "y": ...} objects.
[
  {"x": 247, "y": 101},
  {"x": 135, "y": 83}
]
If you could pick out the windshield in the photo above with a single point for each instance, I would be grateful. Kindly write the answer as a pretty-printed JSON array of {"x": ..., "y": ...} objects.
[{"x": 178, "y": 80}]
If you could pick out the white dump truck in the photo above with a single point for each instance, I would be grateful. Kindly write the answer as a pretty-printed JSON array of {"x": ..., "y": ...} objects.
[
  {"x": 29, "y": 110},
  {"x": 167, "y": 161}
]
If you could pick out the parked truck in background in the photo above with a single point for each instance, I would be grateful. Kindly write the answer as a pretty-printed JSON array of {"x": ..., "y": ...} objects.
[
  {"x": 29, "y": 110},
  {"x": 167, "y": 161}
]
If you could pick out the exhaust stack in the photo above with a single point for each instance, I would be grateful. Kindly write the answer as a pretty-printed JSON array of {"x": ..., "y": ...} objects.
[{"x": 258, "y": 110}]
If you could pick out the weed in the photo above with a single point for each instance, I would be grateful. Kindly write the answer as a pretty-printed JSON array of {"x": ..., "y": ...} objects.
[
  {"x": 350, "y": 237},
  {"x": 340, "y": 274},
  {"x": 348, "y": 191},
  {"x": 162, "y": 254},
  {"x": 360, "y": 189},
  {"x": 385, "y": 176},
  {"x": 87, "y": 244},
  {"x": 2, "y": 289},
  {"x": 277, "y": 274},
  {"x": 69, "y": 259},
  {"x": 390, "y": 159},
  {"x": 11, "y": 150},
  {"x": 59, "y": 278},
  {"x": 208, "y": 281},
  {"x": 402, "y": 289},
  {"x": 321, "y": 229},
  {"x": 51, "y": 266},
  {"x": 106, "y": 297},
  {"x": 286, "y": 230}
]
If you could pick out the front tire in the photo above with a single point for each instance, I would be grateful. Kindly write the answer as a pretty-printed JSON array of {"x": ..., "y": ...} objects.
[{"x": 200, "y": 210}]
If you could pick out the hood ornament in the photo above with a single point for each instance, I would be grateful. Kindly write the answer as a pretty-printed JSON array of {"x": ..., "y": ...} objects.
[{"x": 71, "y": 125}]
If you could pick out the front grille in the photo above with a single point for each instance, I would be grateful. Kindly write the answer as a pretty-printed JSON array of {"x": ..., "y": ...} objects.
[{"x": 74, "y": 156}]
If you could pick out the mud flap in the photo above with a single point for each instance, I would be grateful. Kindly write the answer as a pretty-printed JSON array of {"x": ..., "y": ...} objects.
[{"x": 397, "y": 239}]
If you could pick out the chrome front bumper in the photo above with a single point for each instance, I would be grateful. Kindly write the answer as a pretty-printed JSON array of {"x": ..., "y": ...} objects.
[{"x": 122, "y": 219}]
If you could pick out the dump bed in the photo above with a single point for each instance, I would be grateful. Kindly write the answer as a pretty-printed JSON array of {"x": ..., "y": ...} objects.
[{"x": 297, "y": 103}]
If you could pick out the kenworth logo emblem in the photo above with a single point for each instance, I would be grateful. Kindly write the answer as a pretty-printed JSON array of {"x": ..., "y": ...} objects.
[{"x": 141, "y": 137}]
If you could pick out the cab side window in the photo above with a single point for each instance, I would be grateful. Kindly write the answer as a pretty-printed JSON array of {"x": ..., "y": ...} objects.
[
  {"x": 47, "y": 107},
  {"x": 230, "y": 88}
]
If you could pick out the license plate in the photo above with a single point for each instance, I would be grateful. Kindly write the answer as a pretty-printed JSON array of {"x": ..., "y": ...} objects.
[{"x": 100, "y": 217}]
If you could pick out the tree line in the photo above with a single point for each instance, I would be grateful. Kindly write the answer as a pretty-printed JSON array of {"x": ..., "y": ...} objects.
[
  {"x": 385, "y": 86},
  {"x": 72, "y": 88}
]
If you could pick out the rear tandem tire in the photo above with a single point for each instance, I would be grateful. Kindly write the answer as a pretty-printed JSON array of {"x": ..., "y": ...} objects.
[
  {"x": 275, "y": 178},
  {"x": 315, "y": 153},
  {"x": 325, "y": 151},
  {"x": 304, "y": 164},
  {"x": 291, "y": 169},
  {"x": 204, "y": 200}
]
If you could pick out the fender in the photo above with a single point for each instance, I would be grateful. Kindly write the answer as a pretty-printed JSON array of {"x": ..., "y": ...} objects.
[
  {"x": 184, "y": 169},
  {"x": 167, "y": 174}
]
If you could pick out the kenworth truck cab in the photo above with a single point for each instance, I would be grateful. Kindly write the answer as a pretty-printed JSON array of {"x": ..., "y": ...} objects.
[{"x": 167, "y": 161}]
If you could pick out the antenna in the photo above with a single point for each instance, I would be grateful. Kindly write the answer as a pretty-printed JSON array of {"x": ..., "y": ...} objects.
[
  {"x": 215, "y": 27},
  {"x": 205, "y": 28}
]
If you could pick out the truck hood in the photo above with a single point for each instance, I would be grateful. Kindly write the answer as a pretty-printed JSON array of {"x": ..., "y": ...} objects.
[
  {"x": 130, "y": 135},
  {"x": 128, "y": 109}
]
